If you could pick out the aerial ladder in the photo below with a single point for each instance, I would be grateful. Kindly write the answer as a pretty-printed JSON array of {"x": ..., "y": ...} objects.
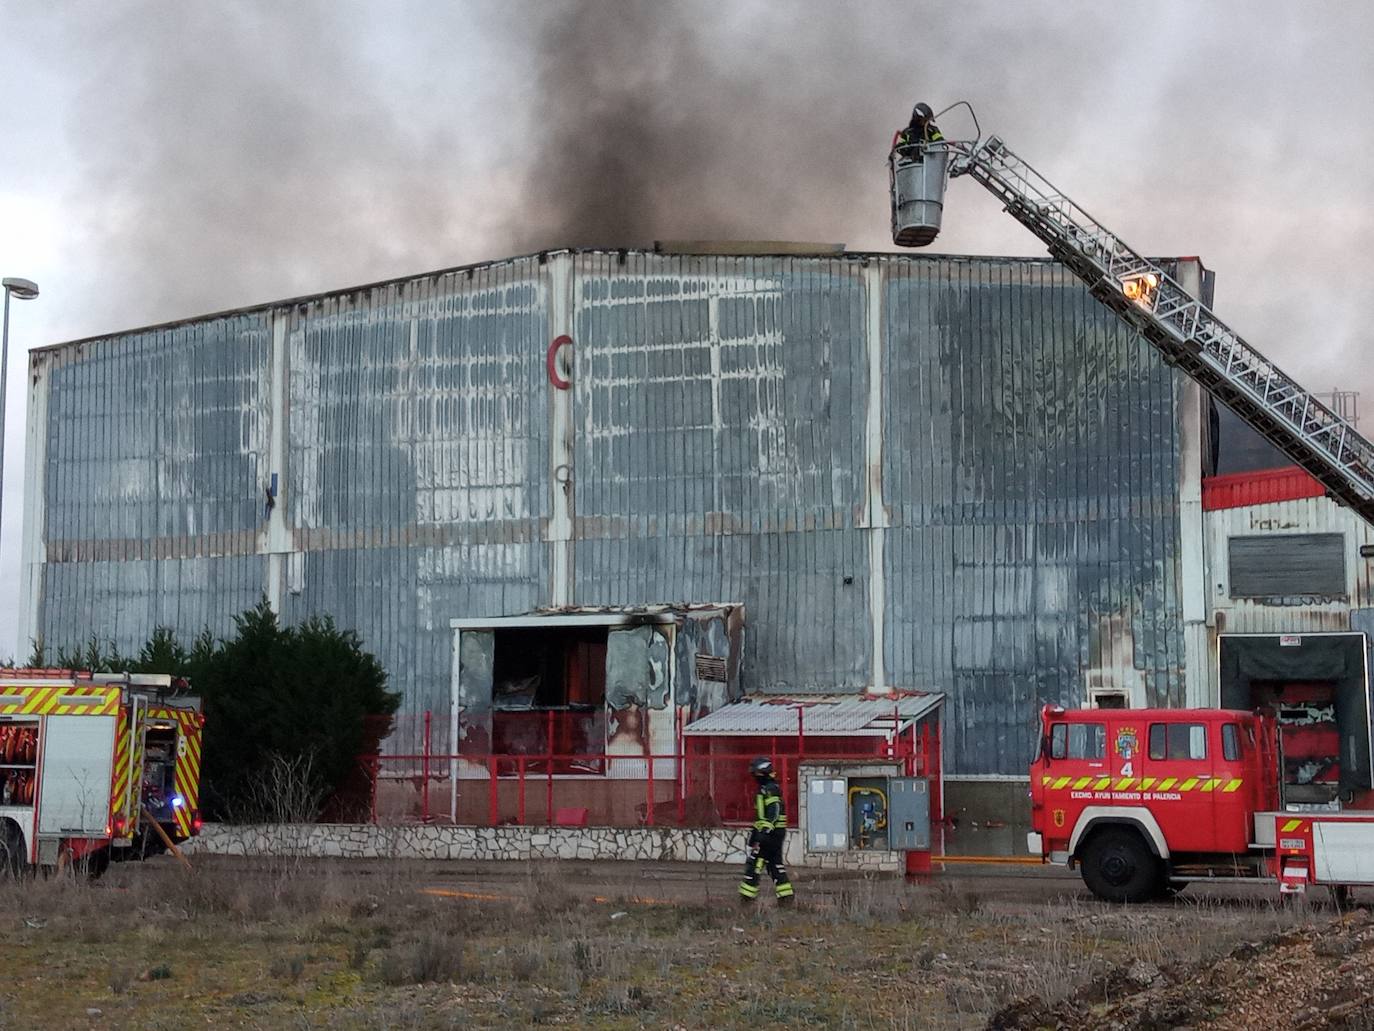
[{"x": 1144, "y": 296}]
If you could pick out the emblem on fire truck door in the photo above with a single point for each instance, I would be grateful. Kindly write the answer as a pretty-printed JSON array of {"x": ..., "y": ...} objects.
[
  {"x": 1059, "y": 817},
  {"x": 1126, "y": 744}
]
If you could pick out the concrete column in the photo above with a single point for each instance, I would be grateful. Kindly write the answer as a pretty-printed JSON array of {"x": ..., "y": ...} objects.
[
  {"x": 562, "y": 475},
  {"x": 33, "y": 553},
  {"x": 875, "y": 510}
]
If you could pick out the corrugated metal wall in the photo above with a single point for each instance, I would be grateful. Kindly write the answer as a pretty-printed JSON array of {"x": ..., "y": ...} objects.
[
  {"x": 1031, "y": 468},
  {"x": 995, "y": 486},
  {"x": 154, "y": 443}
]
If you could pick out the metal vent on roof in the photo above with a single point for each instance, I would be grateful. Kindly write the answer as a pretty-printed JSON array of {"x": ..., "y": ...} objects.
[{"x": 711, "y": 667}]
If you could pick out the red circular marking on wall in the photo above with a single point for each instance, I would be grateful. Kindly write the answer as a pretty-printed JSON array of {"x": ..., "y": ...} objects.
[{"x": 551, "y": 361}]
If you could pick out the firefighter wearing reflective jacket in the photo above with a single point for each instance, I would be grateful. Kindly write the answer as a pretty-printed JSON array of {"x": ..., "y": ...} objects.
[{"x": 766, "y": 838}]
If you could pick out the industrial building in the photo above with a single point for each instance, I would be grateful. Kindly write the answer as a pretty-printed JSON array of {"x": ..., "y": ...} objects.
[{"x": 923, "y": 472}]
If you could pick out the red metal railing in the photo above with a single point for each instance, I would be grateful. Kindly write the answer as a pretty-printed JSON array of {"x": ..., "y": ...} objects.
[{"x": 697, "y": 785}]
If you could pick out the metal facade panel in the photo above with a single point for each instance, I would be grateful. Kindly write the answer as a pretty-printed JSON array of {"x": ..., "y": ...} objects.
[
  {"x": 122, "y": 602},
  {"x": 1031, "y": 456},
  {"x": 419, "y": 404},
  {"x": 155, "y": 437},
  {"x": 719, "y": 449}
]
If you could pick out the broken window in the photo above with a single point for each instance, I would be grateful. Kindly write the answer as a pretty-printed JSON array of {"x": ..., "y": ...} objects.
[{"x": 549, "y": 693}]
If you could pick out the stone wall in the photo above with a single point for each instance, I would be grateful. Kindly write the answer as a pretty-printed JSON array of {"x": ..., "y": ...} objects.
[{"x": 366, "y": 841}]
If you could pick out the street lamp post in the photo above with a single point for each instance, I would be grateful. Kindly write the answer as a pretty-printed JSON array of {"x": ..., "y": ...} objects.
[{"x": 25, "y": 290}]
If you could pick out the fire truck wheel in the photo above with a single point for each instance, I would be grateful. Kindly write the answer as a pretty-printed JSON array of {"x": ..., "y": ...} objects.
[
  {"x": 1119, "y": 867},
  {"x": 13, "y": 862}
]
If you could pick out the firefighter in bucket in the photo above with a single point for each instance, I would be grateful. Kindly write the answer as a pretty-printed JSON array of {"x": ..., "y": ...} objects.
[{"x": 766, "y": 837}]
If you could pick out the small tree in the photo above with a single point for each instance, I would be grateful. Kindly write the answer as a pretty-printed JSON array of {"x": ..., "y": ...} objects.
[{"x": 295, "y": 694}]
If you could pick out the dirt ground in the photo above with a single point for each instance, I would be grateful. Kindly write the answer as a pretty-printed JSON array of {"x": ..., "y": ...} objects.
[{"x": 257, "y": 943}]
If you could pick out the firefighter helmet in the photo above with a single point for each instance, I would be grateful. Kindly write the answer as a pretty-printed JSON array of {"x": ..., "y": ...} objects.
[
  {"x": 921, "y": 113},
  {"x": 762, "y": 767}
]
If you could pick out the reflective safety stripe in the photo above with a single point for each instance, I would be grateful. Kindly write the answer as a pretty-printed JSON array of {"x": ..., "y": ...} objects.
[
  {"x": 1061, "y": 782},
  {"x": 1145, "y": 784},
  {"x": 749, "y": 891},
  {"x": 1290, "y": 825},
  {"x": 1081, "y": 783},
  {"x": 1124, "y": 783},
  {"x": 1188, "y": 784},
  {"x": 1210, "y": 784},
  {"x": 1167, "y": 783},
  {"x": 1231, "y": 786},
  {"x": 1103, "y": 784},
  {"x": 784, "y": 890}
]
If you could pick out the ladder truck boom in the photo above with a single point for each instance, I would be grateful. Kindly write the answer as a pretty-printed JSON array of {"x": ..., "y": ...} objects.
[{"x": 1142, "y": 294}]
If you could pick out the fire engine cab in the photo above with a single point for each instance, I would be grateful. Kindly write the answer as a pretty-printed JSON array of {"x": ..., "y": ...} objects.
[
  {"x": 1144, "y": 800},
  {"x": 95, "y": 767}
]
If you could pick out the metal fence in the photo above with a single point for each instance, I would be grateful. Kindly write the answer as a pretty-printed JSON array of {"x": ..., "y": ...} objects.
[{"x": 696, "y": 785}]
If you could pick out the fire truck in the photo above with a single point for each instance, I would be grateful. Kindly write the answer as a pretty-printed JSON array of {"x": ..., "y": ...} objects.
[{"x": 95, "y": 768}]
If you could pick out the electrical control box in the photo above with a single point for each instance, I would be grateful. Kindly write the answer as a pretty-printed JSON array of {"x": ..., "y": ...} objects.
[{"x": 867, "y": 813}]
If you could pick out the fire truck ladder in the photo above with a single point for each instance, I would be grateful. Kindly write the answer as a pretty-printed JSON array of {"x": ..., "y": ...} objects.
[{"x": 1180, "y": 327}]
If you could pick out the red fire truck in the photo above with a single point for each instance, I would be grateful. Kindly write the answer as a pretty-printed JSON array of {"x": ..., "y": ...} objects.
[
  {"x": 1143, "y": 801},
  {"x": 95, "y": 767}
]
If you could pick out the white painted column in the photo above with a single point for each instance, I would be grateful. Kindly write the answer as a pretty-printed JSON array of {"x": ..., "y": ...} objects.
[
  {"x": 1194, "y": 574},
  {"x": 33, "y": 553},
  {"x": 277, "y": 538},
  {"x": 875, "y": 511},
  {"x": 562, "y": 476}
]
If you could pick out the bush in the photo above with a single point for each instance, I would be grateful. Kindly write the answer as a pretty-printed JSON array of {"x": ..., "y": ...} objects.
[{"x": 298, "y": 693}]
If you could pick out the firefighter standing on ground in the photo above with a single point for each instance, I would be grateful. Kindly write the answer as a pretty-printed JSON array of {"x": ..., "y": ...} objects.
[
  {"x": 921, "y": 128},
  {"x": 765, "y": 840}
]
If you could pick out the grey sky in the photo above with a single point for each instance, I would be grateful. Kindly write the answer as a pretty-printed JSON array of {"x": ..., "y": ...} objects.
[{"x": 159, "y": 160}]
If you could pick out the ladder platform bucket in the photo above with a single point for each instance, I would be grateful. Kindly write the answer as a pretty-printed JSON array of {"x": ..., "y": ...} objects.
[{"x": 918, "y": 178}]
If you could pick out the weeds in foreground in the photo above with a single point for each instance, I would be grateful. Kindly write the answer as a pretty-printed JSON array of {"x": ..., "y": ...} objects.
[{"x": 355, "y": 937}]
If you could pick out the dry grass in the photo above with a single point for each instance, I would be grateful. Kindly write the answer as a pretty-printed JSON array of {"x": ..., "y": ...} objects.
[{"x": 300, "y": 943}]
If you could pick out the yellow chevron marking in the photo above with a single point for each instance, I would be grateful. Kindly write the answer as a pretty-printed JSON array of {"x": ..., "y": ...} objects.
[
  {"x": 1103, "y": 784},
  {"x": 1046, "y": 781},
  {"x": 1290, "y": 825},
  {"x": 1188, "y": 784},
  {"x": 1210, "y": 784},
  {"x": 1146, "y": 782},
  {"x": 1124, "y": 783},
  {"x": 1167, "y": 783},
  {"x": 1230, "y": 786},
  {"x": 1060, "y": 783},
  {"x": 1081, "y": 783}
]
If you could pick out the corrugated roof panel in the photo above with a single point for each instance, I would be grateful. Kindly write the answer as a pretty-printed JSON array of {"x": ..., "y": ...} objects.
[{"x": 821, "y": 715}]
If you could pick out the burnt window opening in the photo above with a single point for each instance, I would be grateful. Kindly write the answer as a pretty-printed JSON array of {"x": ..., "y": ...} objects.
[
  {"x": 549, "y": 693},
  {"x": 549, "y": 668}
]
